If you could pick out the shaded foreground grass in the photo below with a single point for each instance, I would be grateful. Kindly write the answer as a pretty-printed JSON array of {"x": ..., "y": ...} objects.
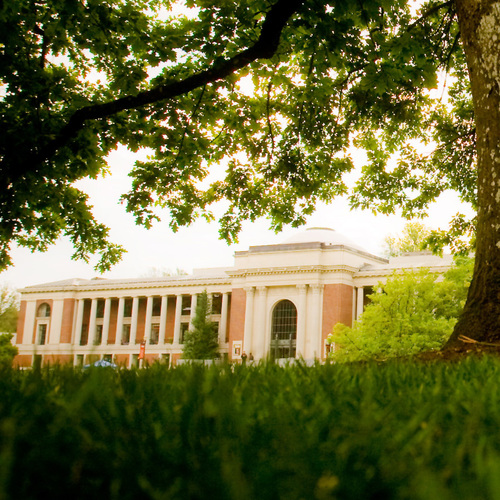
[{"x": 397, "y": 430}]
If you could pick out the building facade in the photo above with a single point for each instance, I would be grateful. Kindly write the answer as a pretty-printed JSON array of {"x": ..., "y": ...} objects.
[{"x": 279, "y": 301}]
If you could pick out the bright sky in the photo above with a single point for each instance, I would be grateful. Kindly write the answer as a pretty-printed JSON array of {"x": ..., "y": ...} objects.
[{"x": 193, "y": 247}]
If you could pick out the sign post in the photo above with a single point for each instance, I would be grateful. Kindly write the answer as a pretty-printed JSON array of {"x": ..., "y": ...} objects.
[{"x": 142, "y": 352}]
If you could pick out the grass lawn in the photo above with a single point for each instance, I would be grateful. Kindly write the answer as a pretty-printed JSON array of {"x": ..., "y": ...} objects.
[{"x": 366, "y": 431}]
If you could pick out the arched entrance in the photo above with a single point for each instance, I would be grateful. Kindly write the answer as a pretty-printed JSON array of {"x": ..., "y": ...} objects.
[{"x": 284, "y": 330}]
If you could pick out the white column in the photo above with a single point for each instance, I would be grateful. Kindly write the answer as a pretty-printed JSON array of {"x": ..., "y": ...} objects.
[
  {"x": 133, "y": 320},
  {"x": 360, "y": 302},
  {"x": 261, "y": 337},
  {"x": 194, "y": 301},
  {"x": 301, "y": 321},
  {"x": 147, "y": 323},
  {"x": 119, "y": 321},
  {"x": 223, "y": 318},
  {"x": 92, "y": 322},
  {"x": 54, "y": 335},
  {"x": 30, "y": 322},
  {"x": 79, "y": 322},
  {"x": 316, "y": 316},
  {"x": 248, "y": 334},
  {"x": 177, "y": 321},
  {"x": 163, "y": 320},
  {"x": 105, "y": 321}
]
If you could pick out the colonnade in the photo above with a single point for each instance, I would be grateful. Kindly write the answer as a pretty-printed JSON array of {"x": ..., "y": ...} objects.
[{"x": 95, "y": 323}]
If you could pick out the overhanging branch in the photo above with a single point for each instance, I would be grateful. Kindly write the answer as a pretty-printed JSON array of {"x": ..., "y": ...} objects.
[{"x": 264, "y": 48}]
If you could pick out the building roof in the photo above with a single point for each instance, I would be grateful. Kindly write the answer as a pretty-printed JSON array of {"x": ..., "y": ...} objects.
[
  {"x": 325, "y": 235},
  {"x": 202, "y": 275}
]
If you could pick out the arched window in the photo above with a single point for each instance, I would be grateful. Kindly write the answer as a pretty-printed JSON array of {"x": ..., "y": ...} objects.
[
  {"x": 42, "y": 320},
  {"x": 43, "y": 311},
  {"x": 284, "y": 330}
]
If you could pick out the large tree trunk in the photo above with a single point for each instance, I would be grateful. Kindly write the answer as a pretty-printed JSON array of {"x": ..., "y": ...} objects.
[{"x": 480, "y": 32}]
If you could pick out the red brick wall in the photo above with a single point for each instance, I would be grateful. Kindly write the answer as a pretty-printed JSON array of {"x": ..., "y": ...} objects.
[
  {"x": 121, "y": 359},
  {"x": 237, "y": 316},
  {"x": 85, "y": 323},
  {"x": 174, "y": 358},
  {"x": 337, "y": 307},
  {"x": 226, "y": 333},
  {"x": 169, "y": 330},
  {"x": 149, "y": 359},
  {"x": 141, "y": 320},
  {"x": 20, "y": 322},
  {"x": 23, "y": 360},
  {"x": 67, "y": 321},
  {"x": 113, "y": 317}
]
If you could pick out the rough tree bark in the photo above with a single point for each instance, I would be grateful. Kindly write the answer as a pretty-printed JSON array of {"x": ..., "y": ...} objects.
[{"x": 479, "y": 22}]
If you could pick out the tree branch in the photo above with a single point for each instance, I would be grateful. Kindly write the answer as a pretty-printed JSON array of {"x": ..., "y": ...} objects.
[{"x": 264, "y": 48}]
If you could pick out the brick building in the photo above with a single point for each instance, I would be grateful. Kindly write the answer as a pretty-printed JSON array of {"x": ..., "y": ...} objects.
[{"x": 278, "y": 300}]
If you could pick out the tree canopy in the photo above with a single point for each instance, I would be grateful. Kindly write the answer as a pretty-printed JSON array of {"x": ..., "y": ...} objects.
[
  {"x": 254, "y": 104},
  {"x": 9, "y": 309},
  {"x": 268, "y": 94},
  {"x": 7, "y": 351},
  {"x": 413, "y": 238}
]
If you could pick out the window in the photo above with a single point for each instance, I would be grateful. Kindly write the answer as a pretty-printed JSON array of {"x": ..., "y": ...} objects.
[
  {"x": 367, "y": 290},
  {"x": 84, "y": 337},
  {"x": 98, "y": 335},
  {"x": 156, "y": 306},
  {"x": 126, "y": 335},
  {"x": 217, "y": 303},
  {"x": 284, "y": 330},
  {"x": 134, "y": 361},
  {"x": 37, "y": 361},
  {"x": 165, "y": 358},
  {"x": 43, "y": 311},
  {"x": 100, "y": 308},
  {"x": 155, "y": 333},
  {"x": 42, "y": 323},
  {"x": 186, "y": 304},
  {"x": 127, "y": 308},
  {"x": 42, "y": 334},
  {"x": 184, "y": 330}
]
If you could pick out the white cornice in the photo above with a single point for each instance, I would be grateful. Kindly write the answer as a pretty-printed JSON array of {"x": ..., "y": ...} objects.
[
  {"x": 127, "y": 285},
  {"x": 268, "y": 271},
  {"x": 382, "y": 273}
]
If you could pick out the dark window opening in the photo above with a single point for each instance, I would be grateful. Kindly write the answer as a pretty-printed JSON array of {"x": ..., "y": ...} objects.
[
  {"x": 284, "y": 330},
  {"x": 42, "y": 334},
  {"x": 217, "y": 303},
  {"x": 156, "y": 306}
]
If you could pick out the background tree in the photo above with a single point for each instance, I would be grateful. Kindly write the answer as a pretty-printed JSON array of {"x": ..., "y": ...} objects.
[
  {"x": 202, "y": 342},
  {"x": 273, "y": 93},
  {"x": 413, "y": 239},
  {"x": 163, "y": 272},
  {"x": 9, "y": 309},
  {"x": 412, "y": 312},
  {"x": 7, "y": 351}
]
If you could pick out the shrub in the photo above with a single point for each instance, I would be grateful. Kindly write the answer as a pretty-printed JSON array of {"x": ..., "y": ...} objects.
[{"x": 413, "y": 311}]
